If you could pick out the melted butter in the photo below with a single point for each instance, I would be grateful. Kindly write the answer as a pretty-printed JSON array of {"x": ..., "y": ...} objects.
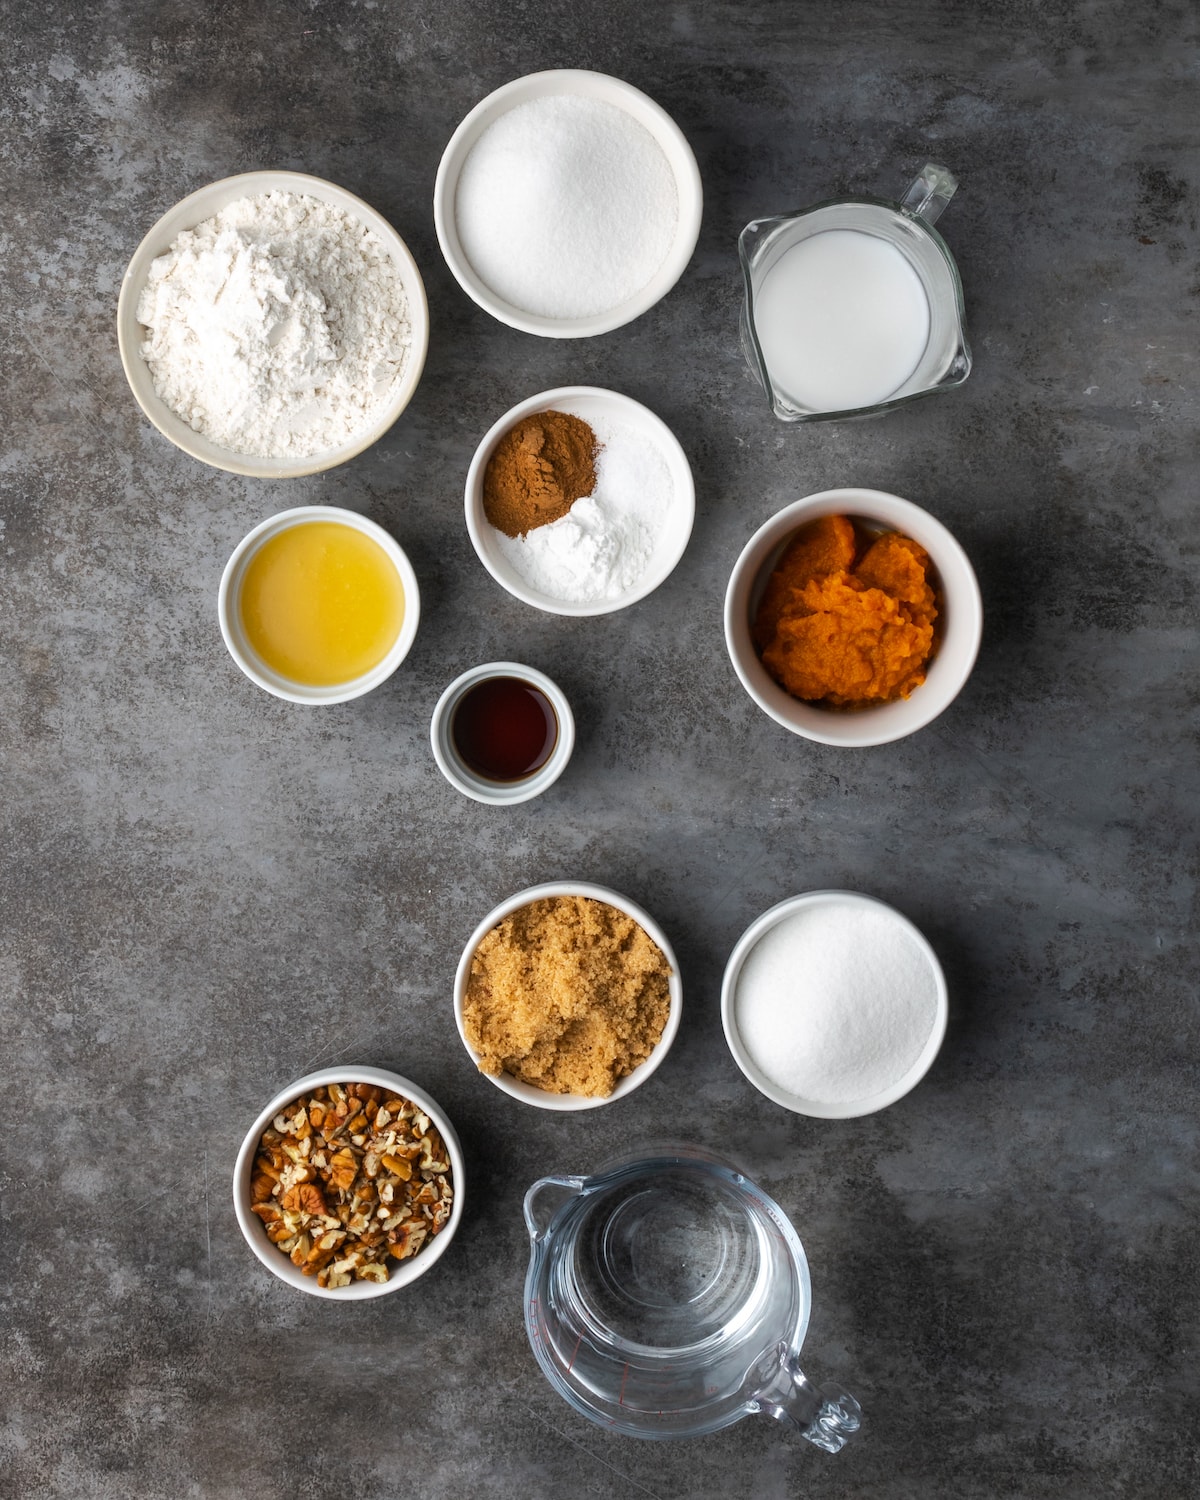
[{"x": 321, "y": 603}]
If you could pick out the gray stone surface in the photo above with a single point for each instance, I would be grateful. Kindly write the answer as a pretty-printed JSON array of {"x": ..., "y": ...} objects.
[{"x": 205, "y": 891}]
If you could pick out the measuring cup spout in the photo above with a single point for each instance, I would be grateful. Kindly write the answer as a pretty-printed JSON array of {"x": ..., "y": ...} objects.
[
  {"x": 824, "y": 1415},
  {"x": 544, "y": 1199}
]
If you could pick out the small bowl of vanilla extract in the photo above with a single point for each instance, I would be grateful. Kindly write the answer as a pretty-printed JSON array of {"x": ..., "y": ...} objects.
[{"x": 502, "y": 733}]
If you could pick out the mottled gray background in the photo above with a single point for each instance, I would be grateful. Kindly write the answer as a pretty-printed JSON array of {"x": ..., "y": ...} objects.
[{"x": 205, "y": 891}]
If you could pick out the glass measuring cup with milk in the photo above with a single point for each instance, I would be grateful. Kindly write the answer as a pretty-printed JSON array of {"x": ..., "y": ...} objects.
[{"x": 854, "y": 305}]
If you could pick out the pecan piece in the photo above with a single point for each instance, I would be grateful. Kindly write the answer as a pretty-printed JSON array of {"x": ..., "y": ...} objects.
[
  {"x": 261, "y": 1188},
  {"x": 343, "y": 1169}
]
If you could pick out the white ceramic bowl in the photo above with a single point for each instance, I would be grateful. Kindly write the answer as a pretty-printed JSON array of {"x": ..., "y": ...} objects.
[
  {"x": 230, "y": 616},
  {"x": 961, "y": 620},
  {"x": 469, "y": 782},
  {"x": 813, "y": 901},
  {"x": 592, "y": 404},
  {"x": 202, "y": 205},
  {"x": 524, "y": 1091},
  {"x": 400, "y": 1272},
  {"x": 590, "y": 86}
]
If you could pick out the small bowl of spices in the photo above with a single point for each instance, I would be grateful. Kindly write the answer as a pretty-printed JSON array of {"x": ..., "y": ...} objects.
[
  {"x": 502, "y": 733},
  {"x": 568, "y": 996},
  {"x": 834, "y": 1005},
  {"x": 567, "y": 203},
  {"x": 853, "y": 617},
  {"x": 580, "y": 501}
]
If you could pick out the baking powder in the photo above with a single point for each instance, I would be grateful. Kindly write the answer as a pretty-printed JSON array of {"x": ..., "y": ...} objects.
[
  {"x": 277, "y": 328},
  {"x": 835, "y": 1003},
  {"x": 566, "y": 207},
  {"x": 601, "y": 548}
]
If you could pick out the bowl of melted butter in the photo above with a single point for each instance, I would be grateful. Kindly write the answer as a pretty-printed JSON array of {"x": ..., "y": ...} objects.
[{"x": 318, "y": 605}]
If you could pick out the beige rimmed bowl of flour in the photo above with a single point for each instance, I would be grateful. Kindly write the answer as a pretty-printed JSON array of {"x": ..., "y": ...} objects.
[
  {"x": 834, "y": 1005},
  {"x": 615, "y": 545},
  {"x": 273, "y": 324}
]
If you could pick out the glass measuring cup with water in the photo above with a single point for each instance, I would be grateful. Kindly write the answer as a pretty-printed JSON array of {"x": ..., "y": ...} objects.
[
  {"x": 854, "y": 305},
  {"x": 669, "y": 1296}
]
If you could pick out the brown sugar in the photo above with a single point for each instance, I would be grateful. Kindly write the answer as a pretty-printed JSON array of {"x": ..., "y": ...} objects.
[
  {"x": 539, "y": 469},
  {"x": 567, "y": 994},
  {"x": 842, "y": 632}
]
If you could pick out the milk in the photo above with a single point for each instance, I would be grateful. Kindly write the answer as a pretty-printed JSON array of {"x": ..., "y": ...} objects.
[{"x": 842, "y": 320}]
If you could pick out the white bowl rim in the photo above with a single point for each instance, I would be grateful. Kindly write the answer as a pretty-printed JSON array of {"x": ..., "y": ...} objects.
[
  {"x": 501, "y": 794},
  {"x": 879, "y": 725},
  {"x": 193, "y": 210},
  {"x": 569, "y": 1102},
  {"x": 813, "y": 1108},
  {"x": 683, "y": 504},
  {"x": 275, "y": 683},
  {"x": 588, "y": 83},
  {"x": 402, "y": 1272}
]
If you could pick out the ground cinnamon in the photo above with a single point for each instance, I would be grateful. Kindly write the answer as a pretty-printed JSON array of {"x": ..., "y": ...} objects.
[{"x": 538, "y": 471}]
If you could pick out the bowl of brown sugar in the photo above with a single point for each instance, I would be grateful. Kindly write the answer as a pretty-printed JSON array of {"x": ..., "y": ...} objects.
[
  {"x": 568, "y": 996},
  {"x": 853, "y": 617}
]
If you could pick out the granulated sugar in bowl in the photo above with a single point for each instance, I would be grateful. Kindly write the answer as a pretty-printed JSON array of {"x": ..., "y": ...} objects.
[
  {"x": 834, "y": 1005},
  {"x": 567, "y": 203}
]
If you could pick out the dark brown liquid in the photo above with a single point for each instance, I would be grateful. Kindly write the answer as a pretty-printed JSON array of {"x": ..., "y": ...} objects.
[{"x": 504, "y": 729}]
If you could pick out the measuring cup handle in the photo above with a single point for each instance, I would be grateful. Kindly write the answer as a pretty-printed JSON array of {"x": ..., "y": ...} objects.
[
  {"x": 551, "y": 1191},
  {"x": 825, "y": 1415},
  {"x": 931, "y": 189}
]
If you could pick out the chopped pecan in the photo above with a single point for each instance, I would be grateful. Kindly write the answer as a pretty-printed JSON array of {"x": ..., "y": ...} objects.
[
  {"x": 261, "y": 1187},
  {"x": 343, "y": 1168},
  {"x": 407, "y": 1239},
  {"x": 347, "y": 1177},
  {"x": 306, "y": 1196}
]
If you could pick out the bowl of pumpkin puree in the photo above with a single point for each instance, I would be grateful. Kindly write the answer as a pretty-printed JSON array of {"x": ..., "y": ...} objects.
[{"x": 853, "y": 617}]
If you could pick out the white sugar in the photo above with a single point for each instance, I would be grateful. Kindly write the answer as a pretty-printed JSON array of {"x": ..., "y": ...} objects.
[
  {"x": 835, "y": 1003},
  {"x": 566, "y": 207}
]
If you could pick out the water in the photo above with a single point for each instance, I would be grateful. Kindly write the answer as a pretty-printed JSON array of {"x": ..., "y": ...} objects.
[
  {"x": 660, "y": 1295},
  {"x": 666, "y": 1265},
  {"x": 842, "y": 320}
]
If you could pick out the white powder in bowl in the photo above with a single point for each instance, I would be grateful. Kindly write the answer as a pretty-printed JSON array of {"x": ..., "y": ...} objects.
[
  {"x": 836, "y": 1002},
  {"x": 566, "y": 206},
  {"x": 601, "y": 548},
  {"x": 278, "y": 328}
]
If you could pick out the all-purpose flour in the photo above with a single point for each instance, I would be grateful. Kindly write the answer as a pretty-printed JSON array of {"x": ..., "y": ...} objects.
[{"x": 277, "y": 328}]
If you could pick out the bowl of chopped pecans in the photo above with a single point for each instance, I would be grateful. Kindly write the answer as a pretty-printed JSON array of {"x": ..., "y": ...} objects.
[{"x": 349, "y": 1184}]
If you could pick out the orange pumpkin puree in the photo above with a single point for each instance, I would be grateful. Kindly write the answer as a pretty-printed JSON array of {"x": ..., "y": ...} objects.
[{"x": 846, "y": 623}]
